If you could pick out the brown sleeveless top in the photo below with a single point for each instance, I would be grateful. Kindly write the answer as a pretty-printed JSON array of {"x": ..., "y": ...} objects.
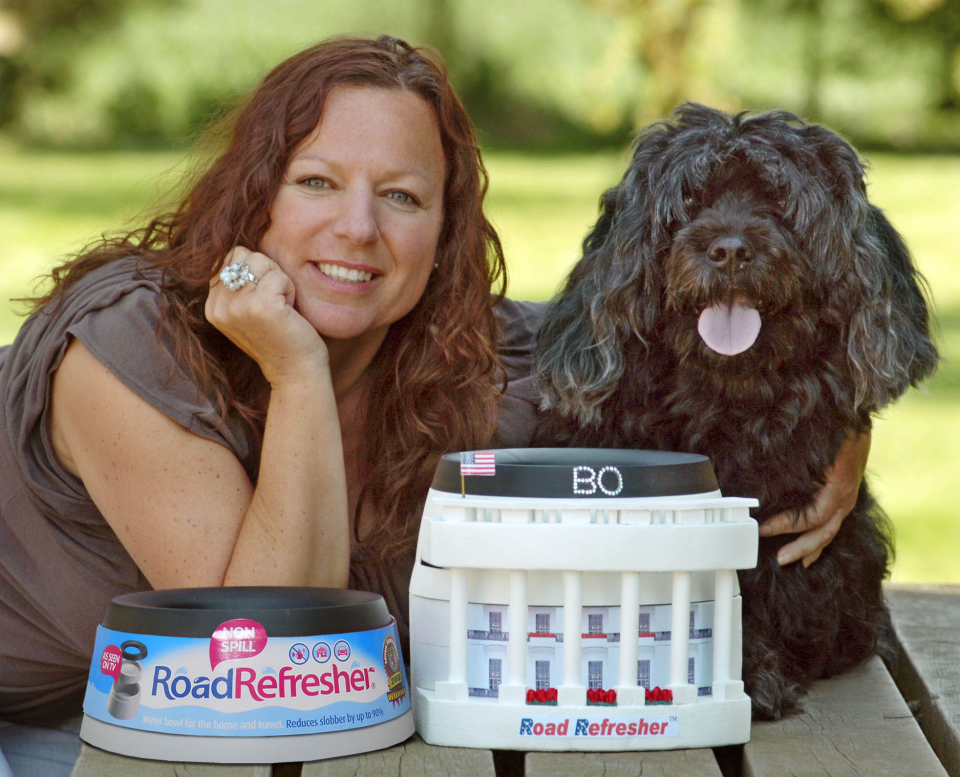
[{"x": 60, "y": 563}]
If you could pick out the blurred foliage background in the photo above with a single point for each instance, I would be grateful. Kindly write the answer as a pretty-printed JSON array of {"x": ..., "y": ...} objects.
[
  {"x": 539, "y": 74},
  {"x": 101, "y": 99}
]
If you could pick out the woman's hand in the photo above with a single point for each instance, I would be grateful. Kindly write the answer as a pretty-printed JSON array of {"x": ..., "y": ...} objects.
[
  {"x": 261, "y": 320},
  {"x": 834, "y": 502}
]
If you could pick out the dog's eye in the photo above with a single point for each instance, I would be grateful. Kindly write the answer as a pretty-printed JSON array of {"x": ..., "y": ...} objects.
[{"x": 689, "y": 200}]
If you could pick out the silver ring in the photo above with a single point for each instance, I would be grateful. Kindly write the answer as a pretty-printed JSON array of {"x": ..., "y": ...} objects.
[{"x": 237, "y": 275}]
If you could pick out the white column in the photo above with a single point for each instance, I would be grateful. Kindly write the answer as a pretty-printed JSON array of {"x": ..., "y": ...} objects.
[
  {"x": 627, "y": 690},
  {"x": 458, "y": 626},
  {"x": 515, "y": 690},
  {"x": 572, "y": 691},
  {"x": 680, "y": 640},
  {"x": 722, "y": 624},
  {"x": 455, "y": 686},
  {"x": 518, "y": 628},
  {"x": 724, "y": 687}
]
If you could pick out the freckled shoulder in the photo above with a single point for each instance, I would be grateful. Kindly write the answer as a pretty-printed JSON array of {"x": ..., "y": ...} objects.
[{"x": 174, "y": 499}]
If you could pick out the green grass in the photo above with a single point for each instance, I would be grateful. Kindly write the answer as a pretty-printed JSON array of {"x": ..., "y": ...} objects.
[{"x": 51, "y": 203}]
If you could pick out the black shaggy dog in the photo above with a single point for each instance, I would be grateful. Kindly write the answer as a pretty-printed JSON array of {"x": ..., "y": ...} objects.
[{"x": 739, "y": 297}]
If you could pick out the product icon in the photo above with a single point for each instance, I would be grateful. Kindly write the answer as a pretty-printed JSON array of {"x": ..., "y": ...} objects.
[
  {"x": 321, "y": 652},
  {"x": 124, "y": 699},
  {"x": 342, "y": 650},
  {"x": 396, "y": 691},
  {"x": 299, "y": 653}
]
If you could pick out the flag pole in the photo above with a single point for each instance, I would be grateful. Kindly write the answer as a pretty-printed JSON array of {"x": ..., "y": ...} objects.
[{"x": 463, "y": 487}]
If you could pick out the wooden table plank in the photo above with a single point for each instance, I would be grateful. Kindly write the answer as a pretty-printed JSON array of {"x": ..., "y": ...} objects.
[
  {"x": 927, "y": 621},
  {"x": 410, "y": 759},
  {"x": 675, "y": 763},
  {"x": 856, "y": 724},
  {"x": 94, "y": 762}
]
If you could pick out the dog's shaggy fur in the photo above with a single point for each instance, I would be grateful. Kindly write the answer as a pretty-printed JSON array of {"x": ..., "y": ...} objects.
[{"x": 845, "y": 330}]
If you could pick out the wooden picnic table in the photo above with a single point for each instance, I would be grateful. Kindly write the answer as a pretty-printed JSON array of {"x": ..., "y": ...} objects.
[{"x": 867, "y": 722}]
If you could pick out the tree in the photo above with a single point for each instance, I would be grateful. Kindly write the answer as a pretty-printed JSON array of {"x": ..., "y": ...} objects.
[
  {"x": 812, "y": 15},
  {"x": 660, "y": 31},
  {"x": 51, "y": 31},
  {"x": 939, "y": 22}
]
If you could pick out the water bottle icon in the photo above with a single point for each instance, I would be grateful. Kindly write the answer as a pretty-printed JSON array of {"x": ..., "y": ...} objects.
[{"x": 124, "y": 700}]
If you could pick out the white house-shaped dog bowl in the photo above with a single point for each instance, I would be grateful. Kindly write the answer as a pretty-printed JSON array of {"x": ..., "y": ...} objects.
[{"x": 579, "y": 572}]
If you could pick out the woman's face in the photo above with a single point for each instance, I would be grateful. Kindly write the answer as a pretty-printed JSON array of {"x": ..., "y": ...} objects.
[{"x": 356, "y": 220}]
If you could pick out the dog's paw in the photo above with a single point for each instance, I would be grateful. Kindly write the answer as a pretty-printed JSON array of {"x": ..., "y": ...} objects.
[
  {"x": 772, "y": 697},
  {"x": 771, "y": 693}
]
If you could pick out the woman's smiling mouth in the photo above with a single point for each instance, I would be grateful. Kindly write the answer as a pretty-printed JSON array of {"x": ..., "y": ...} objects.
[{"x": 341, "y": 273}]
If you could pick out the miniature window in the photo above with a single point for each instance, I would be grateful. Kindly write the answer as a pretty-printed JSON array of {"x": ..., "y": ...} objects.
[
  {"x": 542, "y": 669},
  {"x": 643, "y": 673},
  {"x": 496, "y": 622},
  {"x": 644, "y": 621},
  {"x": 543, "y": 623},
  {"x": 693, "y": 614},
  {"x": 595, "y": 624},
  {"x": 690, "y": 670},
  {"x": 496, "y": 673},
  {"x": 595, "y": 674}
]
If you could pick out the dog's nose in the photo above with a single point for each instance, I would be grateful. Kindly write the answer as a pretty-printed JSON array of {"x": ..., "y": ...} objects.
[{"x": 730, "y": 249}]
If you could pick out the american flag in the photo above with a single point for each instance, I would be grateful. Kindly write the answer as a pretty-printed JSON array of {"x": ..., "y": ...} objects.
[{"x": 478, "y": 463}]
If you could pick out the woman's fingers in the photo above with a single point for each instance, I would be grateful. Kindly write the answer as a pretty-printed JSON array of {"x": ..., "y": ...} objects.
[
  {"x": 808, "y": 560},
  {"x": 828, "y": 501},
  {"x": 259, "y": 317},
  {"x": 811, "y": 543},
  {"x": 820, "y": 523},
  {"x": 785, "y": 523},
  {"x": 259, "y": 265},
  {"x": 233, "y": 310}
]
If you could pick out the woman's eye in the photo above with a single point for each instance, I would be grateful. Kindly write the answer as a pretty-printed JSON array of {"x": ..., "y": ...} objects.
[
  {"x": 404, "y": 198},
  {"x": 315, "y": 182}
]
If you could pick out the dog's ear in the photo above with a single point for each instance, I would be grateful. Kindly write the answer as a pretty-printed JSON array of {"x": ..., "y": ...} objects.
[
  {"x": 873, "y": 285},
  {"x": 580, "y": 358},
  {"x": 577, "y": 358},
  {"x": 888, "y": 338}
]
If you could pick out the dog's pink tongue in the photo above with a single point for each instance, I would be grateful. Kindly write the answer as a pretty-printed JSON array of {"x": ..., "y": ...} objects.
[{"x": 729, "y": 329}]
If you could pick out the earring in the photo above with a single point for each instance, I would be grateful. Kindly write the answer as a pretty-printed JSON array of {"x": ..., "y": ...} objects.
[{"x": 436, "y": 265}]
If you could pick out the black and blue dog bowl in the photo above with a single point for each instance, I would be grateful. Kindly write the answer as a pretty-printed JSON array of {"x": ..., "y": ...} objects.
[{"x": 247, "y": 675}]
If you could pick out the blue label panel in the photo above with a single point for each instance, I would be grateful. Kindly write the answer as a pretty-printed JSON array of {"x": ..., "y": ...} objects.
[{"x": 242, "y": 682}]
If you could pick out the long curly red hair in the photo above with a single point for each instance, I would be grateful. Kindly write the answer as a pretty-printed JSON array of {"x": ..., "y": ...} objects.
[{"x": 436, "y": 375}]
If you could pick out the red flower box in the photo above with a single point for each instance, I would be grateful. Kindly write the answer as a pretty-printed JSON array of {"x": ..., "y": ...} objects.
[
  {"x": 659, "y": 695},
  {"x": 600, "y": 696},
  {"x": 547, "y": 696}
]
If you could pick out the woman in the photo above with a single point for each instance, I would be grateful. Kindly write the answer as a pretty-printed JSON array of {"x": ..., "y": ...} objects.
[
  {"x": 248, "y": 438},
  {"x": 255, "y": 388}
]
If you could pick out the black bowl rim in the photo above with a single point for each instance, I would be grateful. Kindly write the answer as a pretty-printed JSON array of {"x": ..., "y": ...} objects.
[
  {"x": 282, "y": 611},
  {"x": 549, "y": 473}
]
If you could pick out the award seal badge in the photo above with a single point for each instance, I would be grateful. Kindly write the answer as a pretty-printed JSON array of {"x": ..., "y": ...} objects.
[{"x": 393, "y": 666}]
